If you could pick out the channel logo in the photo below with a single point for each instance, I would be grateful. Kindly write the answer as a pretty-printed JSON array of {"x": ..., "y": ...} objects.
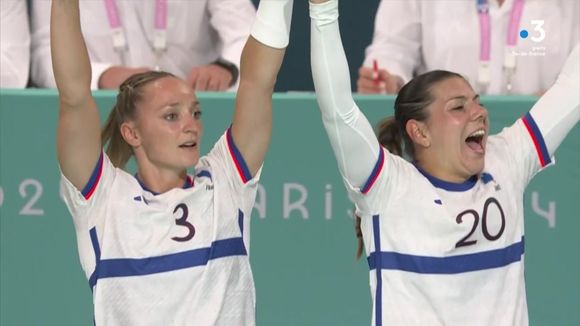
[{"x": 539, "y": 32}]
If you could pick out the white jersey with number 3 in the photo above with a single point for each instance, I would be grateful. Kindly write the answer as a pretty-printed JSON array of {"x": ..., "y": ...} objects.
[{"x": 177, "y": 258}]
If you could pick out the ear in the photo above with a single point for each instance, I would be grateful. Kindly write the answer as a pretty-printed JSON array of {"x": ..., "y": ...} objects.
[
  {"x": 130, "y": 134},
  {"x": 419, "y": 133}
]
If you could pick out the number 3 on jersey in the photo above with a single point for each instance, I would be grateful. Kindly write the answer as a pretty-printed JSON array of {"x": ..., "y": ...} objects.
[
  {"x": 484, "y": 227},
  {"x": 182, "y": 221}
]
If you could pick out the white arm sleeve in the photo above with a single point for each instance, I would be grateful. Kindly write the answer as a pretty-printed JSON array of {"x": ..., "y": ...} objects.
[
  {"x": 558, "y": 110},
  {"x": 352, "y": 138}
]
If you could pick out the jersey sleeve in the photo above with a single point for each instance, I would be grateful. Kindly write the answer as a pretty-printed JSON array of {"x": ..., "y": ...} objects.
[
  {"x": 521, "y": 149},
  {"x": 388, "y": 175},
  {"x": 95, "y": 193},
  {"x": 227, "y": 160}
]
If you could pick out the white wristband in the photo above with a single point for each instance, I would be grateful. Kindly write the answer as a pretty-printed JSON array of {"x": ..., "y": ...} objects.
[{"x": 272, "y": 24}]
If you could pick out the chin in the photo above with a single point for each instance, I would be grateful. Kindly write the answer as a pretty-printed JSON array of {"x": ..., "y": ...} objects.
[{"x": 475, "y": 168}]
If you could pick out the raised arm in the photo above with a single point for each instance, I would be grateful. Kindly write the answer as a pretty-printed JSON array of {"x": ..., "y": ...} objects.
[
  {"x": 78, "y": 138},
  {"x": 352, "y": 138},
  {"x": 558, "y": 110},
  {"x": 261, "y": 60}
]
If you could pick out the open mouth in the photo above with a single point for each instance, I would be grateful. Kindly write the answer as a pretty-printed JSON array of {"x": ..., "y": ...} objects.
[
  {"x": 190, "y": 144},
  {"x": 475, "y": 141}
]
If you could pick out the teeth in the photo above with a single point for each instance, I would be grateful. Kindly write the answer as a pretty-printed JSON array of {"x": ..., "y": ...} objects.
[{"x": 478, "y": 133}]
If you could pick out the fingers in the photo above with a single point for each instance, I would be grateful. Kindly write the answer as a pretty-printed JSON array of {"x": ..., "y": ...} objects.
[
  {"x": 392, "y": 83},
  {"x": 377, "y": 82},
  {"x": 367, "y": 82},
  {"x": 209, "y": 78}
]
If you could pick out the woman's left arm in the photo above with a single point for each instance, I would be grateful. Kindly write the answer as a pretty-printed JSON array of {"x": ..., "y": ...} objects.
[{"x": 558, "y": 110}]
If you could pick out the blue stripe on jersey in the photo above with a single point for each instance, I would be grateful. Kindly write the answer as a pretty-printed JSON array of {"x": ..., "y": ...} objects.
[
  {"x": 449, "y": 186},
  {"x": 204, "y": 173},
  {"x": 379, "y": 292},
  {"x": 97, "y": 250},
  {"x": 448, "y": 265},
  {"x": 94, "y": 179},
  {"x": 537, "y": 138},
  {"x": 239, "y": 161},
  {"x": 171, "y": 262},
  {"x": 375, "y": 173},
  {"x": 241, "y": 221}
]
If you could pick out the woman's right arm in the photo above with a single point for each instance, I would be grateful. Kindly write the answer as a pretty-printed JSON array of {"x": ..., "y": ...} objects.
[
  {"x": 78, "y": 136},
  {"x": 352, "y": 138}
]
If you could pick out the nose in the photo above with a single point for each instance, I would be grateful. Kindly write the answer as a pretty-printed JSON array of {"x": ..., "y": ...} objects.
[
  {"x": 478, "y": 112},
  {"x": 191, "y": 124}
]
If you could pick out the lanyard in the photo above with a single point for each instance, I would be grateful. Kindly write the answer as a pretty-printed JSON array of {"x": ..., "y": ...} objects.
[
  {"x": 160, "y": 31},
  {"x": 509, "y": 63}
]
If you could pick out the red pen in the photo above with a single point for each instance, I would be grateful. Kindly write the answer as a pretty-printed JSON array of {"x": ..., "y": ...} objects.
[{"x": 376, "y": 71}]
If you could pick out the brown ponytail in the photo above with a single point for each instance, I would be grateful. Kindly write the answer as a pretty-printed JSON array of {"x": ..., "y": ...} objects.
[
  {"x": 130, "y": 94},
  {"x": 358, "y": 232},
  {"x": 390, "y": 136}
]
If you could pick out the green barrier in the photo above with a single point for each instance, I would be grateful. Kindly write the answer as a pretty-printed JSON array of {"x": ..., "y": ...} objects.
[{"x": 303, "y": 242}]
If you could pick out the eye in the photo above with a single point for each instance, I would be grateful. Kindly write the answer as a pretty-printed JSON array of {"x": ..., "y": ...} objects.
[
  {"x": 197, "y": 115},
  {"x": 170, "y": 116},
  {"x": 460, "y": 107}
]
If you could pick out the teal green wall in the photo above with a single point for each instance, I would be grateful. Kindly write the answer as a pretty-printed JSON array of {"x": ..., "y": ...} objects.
[{"x": 303, "y": 265}]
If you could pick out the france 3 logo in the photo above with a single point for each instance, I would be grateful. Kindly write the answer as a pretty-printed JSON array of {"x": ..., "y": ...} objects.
[
  {"x": 538, "y": 30},
  {"x": 531, "y": 39}
]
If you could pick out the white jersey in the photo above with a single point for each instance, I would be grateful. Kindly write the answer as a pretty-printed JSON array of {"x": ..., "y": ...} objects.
[
  {"x": 456, "y": 257},
  {"x": 177, "y": 258}
]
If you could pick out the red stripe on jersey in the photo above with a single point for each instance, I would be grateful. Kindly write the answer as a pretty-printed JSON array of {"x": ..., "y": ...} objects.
[
  {"x": 234, "y": 157},
  {"x": 536, "y": 142}
]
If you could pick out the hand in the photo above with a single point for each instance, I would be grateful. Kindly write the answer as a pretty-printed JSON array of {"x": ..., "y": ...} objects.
[
  {"x": 113, "y": 77},
  {"x": 379, "y": 82},
  {"x": 209, "y": 78}
]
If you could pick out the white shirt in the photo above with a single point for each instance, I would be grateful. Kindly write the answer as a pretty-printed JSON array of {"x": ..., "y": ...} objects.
[
  {"x": 415, "y": 36},
  {"x": 176, "y": 258},
  {"x": 14, "y": 44},
  {"x": 198, "y": 33}
]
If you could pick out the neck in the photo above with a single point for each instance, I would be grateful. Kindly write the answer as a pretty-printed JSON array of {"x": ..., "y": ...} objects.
[
  {"x": 160, "y": 180},
  {"x": 439, "y": 171}
]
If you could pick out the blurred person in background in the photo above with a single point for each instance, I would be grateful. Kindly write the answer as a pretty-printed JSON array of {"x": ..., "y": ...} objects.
[
  {"x": 200, "y": 41},
  {"x": 499, "y": 46},
  {"x": 14, "y": 44}
]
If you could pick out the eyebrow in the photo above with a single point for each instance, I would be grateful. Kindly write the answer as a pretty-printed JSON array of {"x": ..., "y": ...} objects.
[
  {"x": 476, "y": 97},
  {"x": 176, "y": 104}
]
